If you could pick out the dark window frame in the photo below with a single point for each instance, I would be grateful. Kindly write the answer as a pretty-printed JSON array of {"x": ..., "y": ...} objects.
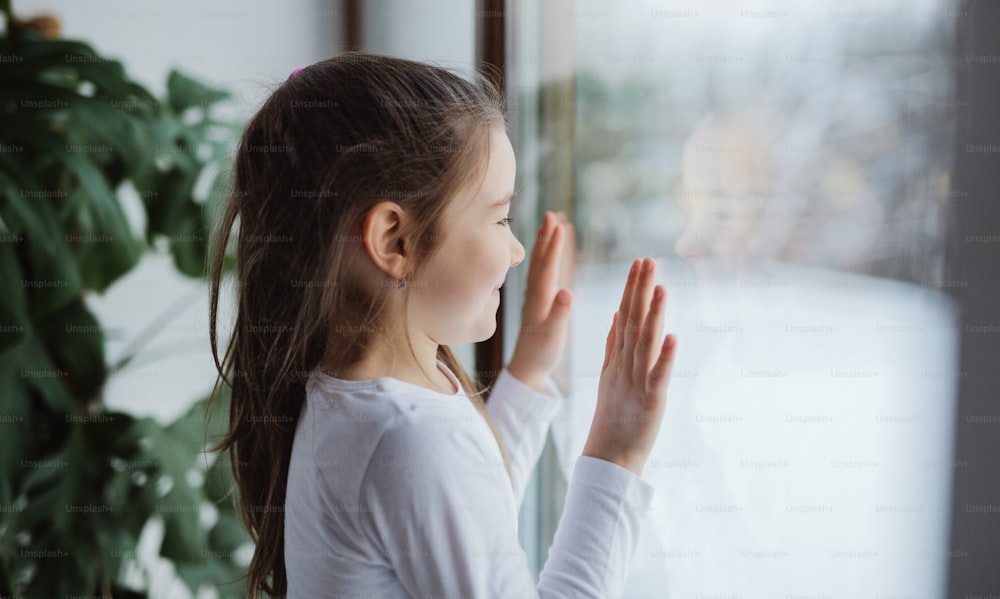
[{"x": 974, "y": 547}]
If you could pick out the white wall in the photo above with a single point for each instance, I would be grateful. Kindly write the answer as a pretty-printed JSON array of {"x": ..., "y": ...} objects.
[{"x": 439, "y": 31}]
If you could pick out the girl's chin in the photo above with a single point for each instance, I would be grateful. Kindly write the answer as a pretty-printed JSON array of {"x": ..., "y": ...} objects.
[
  {"x": 480, "y": 330},
  {"x": 487, "y": 331}
]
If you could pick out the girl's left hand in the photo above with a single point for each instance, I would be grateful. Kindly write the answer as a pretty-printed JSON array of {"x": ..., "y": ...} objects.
[{"x": 545, "y": 317}]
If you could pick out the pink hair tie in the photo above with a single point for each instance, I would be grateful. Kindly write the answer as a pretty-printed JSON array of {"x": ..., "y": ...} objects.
[{"x": 295, "y": 72}]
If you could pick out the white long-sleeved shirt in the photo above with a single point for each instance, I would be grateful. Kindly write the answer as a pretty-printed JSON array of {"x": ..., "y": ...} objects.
[{"x": 396, "y": 490}]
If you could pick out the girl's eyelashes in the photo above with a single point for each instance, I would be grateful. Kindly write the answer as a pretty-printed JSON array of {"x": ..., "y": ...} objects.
[{"x": 505, "y": 221}]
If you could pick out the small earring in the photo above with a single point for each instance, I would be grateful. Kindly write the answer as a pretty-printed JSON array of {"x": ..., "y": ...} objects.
[{"x": 402, "y": 283}]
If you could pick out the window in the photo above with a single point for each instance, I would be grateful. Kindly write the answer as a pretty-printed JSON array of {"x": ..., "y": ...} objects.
[{"x": 789, "y": 166}]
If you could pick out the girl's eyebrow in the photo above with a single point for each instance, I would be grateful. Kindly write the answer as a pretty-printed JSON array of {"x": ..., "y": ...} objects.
[{"x": 503, "y": 201}]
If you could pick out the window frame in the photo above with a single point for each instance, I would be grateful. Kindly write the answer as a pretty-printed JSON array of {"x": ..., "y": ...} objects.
[{"x": 973, "y": 551}]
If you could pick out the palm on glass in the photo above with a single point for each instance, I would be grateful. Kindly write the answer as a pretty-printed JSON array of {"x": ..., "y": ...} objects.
[
  {"x": 632, "y": 393},
  {"x": 547, "y": 303}
]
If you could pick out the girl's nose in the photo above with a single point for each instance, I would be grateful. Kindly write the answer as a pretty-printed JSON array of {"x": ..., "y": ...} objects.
[{"x": 517, "y": 255}]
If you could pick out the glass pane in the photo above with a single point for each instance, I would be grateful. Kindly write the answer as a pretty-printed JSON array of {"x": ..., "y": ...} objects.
[{"x": 789, "y": 168}]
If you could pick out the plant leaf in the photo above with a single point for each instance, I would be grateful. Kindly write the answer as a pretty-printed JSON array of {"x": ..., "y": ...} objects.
[
  {"x": 189, "y": 245},
  {"x": 14, "y": 323},
  {"x": 39, "y": 374},
  {"x": 16, "y": 442},
  {"x": 184, "y": 539},
  {"x": 75, "y": 341},
  {"x": 185, "y": 92}
]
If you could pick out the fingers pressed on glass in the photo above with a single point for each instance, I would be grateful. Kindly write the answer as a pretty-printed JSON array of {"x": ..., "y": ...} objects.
[
  {"x": 549, "y": 259},
  {"x": 609, "y": 345},
  {"x": 623, "y": 308},
  {"x": 543, "y": 228},
  {"x": 652, "y": 329},
  {"x": 660, "y": 374},
  {"x": 538, "y": 253},
  {"x": 641, "y": 297},
  {"x": 547, "y": 235},
  {"x": 553, "y": 247}
]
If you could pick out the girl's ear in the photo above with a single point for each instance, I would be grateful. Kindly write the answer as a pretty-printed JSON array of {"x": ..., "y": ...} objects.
[{"x": 382, "y": 235}]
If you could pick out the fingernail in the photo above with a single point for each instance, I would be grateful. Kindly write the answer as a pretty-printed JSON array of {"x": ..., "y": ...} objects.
[{"x": 646, "y": 265}]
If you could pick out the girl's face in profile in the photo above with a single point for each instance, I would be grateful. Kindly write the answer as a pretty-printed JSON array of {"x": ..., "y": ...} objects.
[{"x": 456, "y": 296}]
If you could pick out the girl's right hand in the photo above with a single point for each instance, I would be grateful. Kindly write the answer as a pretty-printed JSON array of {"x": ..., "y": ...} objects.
[{"x": 632, "y": 392}]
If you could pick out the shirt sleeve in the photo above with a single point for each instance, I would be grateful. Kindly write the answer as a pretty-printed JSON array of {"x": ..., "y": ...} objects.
[
  {"x": 446, "y": 522},
  {"x": 598, "y": 532},
  {"x": 522, "y": 417}
]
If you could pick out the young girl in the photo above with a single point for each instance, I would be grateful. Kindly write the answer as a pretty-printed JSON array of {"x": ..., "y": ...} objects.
[{"x": 371, "y": 196}]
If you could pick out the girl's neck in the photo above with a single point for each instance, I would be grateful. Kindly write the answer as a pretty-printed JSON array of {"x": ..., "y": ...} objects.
[{"x": 376, "y": 364}]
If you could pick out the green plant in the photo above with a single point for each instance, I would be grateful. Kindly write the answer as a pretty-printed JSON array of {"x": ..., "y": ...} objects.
[{"x": 78, "y": 483}]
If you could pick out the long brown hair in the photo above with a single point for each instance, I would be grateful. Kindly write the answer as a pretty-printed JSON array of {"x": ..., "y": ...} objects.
[{"x": 327, "y": 145}]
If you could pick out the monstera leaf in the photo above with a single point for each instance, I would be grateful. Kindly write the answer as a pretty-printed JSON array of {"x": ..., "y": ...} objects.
[{"x": 79, "y": 484}]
